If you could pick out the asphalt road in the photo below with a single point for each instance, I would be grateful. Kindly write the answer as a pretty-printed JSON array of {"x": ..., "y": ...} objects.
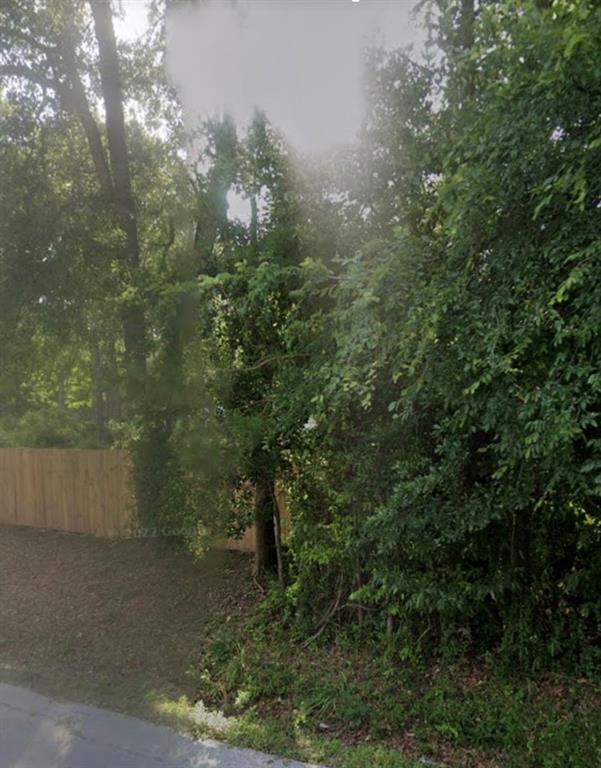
[{"x": 38, "y": 732}]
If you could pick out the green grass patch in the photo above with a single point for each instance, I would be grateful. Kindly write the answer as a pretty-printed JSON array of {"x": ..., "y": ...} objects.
[{"x": 345, "y": 703}]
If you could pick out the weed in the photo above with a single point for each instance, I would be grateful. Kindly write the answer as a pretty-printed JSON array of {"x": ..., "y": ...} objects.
[{"x": 388, "y": 707}]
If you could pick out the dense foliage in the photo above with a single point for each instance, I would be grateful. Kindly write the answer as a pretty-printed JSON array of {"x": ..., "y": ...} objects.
[
  {"x": 457, "y": 447},
  {"x": 403, "y": 335}
]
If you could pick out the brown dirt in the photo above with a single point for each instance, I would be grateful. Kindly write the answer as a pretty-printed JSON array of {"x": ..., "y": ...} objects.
[{"x": 114, "y": 622}]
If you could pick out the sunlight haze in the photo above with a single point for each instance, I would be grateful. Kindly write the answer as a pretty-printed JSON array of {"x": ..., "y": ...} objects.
[{"x": 301, "y": 62}]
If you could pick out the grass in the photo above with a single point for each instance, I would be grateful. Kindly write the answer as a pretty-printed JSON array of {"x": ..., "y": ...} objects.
[{"x": 384, "y": 707}]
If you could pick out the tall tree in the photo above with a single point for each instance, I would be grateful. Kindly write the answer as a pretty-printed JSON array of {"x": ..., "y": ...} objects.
[
  {"x": 46, "y": 47},
  {"x": 134, "y": 323}
]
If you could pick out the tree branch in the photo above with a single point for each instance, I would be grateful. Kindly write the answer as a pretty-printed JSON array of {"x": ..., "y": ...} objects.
[
  {"x": 25, "y": 72},
  {"x": 77, "y": 99}
]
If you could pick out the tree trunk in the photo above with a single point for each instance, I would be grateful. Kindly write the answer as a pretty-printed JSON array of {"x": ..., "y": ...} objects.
[
  {"x": 265, "y": 538},
  {"x": 359, "y": 583},
  {"x": 277, "y": 529},
  {"x": 98, "y": 392},
  {"x": 133, "y": 319},
  {"x": 114, "y": 408},
  {"x": 61, "y": 399},
  {"x": 466, "y": 41},
  {"x": 466, "y": 26},
  {"x": 74, "y": 97}
]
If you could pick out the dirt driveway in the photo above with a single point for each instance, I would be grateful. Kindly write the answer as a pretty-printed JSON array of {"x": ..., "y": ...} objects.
[{"x": 112, "y": 622}]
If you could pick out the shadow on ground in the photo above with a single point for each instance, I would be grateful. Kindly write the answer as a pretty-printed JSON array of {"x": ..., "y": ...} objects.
[{"x": 112, "y": 622}]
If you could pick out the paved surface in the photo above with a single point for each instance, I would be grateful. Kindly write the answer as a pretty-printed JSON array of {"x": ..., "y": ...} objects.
[{"x": 37, "y": 732}]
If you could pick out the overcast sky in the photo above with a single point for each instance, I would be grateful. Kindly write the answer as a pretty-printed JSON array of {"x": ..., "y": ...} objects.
[
  {"x": 299, "y": 60},
  {"x": 134, "y": 22}
]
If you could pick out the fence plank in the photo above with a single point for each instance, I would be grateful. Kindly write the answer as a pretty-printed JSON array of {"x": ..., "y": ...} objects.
[{"x": 83, "y": 491}]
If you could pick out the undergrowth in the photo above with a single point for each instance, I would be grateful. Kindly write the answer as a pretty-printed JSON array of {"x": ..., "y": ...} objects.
[{"x": 356, "y": 699}]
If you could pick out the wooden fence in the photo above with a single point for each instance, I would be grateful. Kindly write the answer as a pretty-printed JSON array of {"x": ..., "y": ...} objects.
[
  {"x": 66, "y": 490},
  {"x": 83, "y": 491}
]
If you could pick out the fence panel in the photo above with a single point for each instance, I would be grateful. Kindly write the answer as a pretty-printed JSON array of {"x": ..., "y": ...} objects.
[{"x": 82, "y": 491}]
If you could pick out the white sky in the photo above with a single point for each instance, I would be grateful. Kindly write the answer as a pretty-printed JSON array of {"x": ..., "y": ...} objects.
[
  {"x": 301, "y": 61},
  {"x": 134, "y": 23}
]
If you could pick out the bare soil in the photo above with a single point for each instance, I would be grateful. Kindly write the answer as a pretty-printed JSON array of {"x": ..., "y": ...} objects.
[{"x": 116, "y": 622}]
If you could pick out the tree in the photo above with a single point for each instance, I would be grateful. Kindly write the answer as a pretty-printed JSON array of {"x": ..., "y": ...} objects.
[
  {"x": 52, "y": 69},
  {"x": 134, "y": 323}
]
